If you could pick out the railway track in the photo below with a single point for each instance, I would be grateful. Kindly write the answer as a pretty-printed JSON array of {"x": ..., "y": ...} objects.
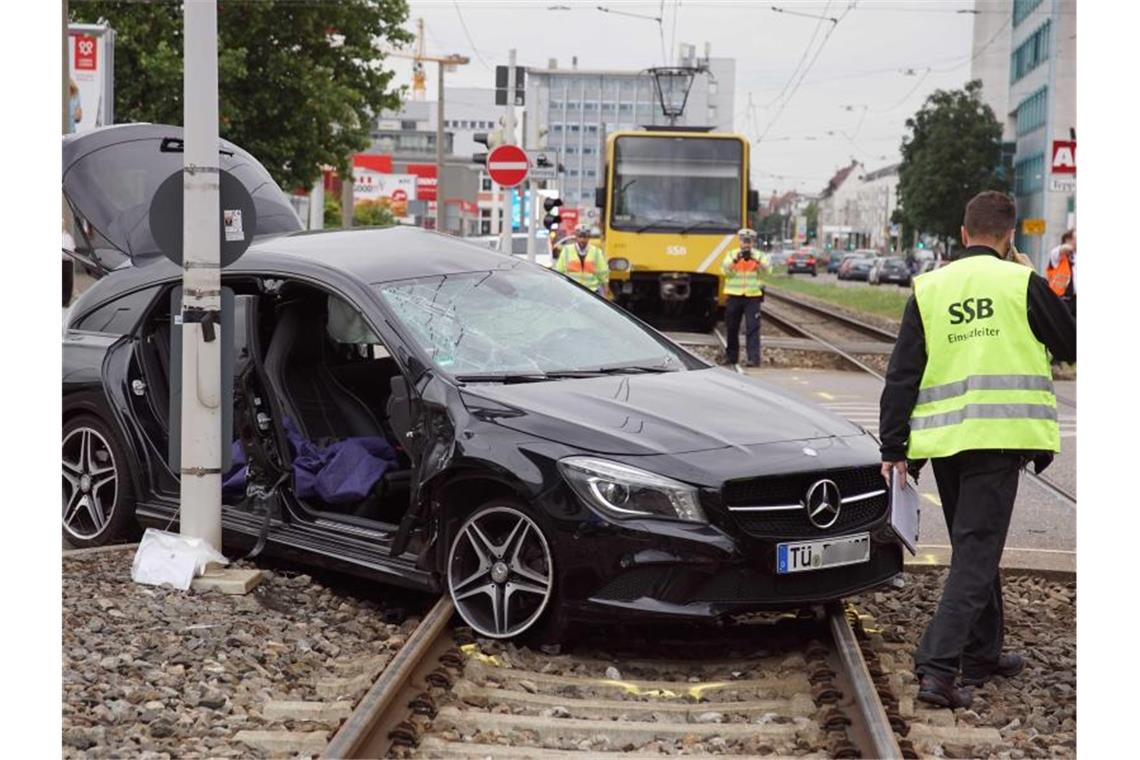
[
  {"x": 787, "y": 684},
  {"x": 796, "y": 328}
]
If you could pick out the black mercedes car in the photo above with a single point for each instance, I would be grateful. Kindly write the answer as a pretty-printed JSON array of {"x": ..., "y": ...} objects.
[{"x": 418, "y": 410}]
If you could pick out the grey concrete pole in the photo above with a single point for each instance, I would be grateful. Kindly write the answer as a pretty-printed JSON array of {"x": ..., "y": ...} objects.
[
  {"x": 346, "y": 197},
  {"x": 440, "y": 205},
  {"x": 508, "y": 139},
  {"x": 201, "y": 478}
]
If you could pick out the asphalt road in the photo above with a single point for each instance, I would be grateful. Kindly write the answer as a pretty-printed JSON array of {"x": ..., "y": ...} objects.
[{"x": 1043, "y": 522}]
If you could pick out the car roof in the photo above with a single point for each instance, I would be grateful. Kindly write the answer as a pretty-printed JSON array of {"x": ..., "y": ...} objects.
[{"x": 366, "y": 254}]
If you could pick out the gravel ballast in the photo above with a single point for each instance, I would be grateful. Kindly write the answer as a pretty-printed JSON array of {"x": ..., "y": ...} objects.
[
  {"x": 1035, "y": 711},
  {"x": 159, "y": 673}
]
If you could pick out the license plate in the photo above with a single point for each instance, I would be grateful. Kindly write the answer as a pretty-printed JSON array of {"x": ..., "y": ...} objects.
[{"x": 818, "y": 555}]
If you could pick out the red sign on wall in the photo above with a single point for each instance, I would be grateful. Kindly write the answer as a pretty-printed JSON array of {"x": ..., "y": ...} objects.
[
  {"x": 568, "y": 219},
  {"x": 1064, "y": 157},
  {"x": 85, "y": 52},
  {"x": 425, "y": 180}
]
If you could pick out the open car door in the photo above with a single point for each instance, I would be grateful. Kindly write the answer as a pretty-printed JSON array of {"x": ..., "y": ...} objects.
[{"x": 110, "y": 176}]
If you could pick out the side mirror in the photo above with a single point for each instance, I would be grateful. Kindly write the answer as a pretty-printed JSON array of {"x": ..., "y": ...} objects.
[
  {"x": 753, "y": 200},
  {"x": 600, "y": 197}
]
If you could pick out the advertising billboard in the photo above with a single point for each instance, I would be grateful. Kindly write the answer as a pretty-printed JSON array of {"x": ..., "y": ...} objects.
[{"x": 91, "y": 63}]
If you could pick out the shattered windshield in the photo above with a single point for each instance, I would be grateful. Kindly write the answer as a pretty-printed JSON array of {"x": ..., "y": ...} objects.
[{"x": 521, "y": 321}]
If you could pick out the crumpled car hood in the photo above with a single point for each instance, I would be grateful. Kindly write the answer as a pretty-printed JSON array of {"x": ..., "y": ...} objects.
[{"x": 669, "y": 413}]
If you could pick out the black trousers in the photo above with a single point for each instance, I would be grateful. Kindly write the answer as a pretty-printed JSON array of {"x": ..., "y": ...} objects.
[
  {"x": 748, "y": 309},
  {"x": 977, "y": 489}
]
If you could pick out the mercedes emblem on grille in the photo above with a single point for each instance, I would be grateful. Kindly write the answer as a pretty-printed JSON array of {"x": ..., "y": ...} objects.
[{"x": 822, "y": 503}]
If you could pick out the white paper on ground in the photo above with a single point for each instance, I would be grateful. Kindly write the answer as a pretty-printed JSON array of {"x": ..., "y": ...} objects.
[
  {"x": 170, "y": 558},
  {"x": 904, "y": 512}
]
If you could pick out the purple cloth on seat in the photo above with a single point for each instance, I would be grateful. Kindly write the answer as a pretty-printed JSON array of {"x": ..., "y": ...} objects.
[{"x": 342, "y": 472}]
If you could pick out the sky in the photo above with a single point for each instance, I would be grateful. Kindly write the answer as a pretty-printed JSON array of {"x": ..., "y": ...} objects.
[{"x": 858, "y": 79}]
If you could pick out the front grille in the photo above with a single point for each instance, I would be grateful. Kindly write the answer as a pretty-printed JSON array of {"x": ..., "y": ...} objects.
[{"x": 780, "y": 490}]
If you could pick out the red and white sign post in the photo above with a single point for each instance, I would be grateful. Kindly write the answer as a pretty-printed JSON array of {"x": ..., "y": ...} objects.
[{"x": 507, "y": 165}]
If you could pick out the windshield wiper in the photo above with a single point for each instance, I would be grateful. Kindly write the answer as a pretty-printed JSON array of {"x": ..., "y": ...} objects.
[
  {"x": 615, "y": 369},
  {"x": 698, "y": 223},
  {"x": 504, "y": 377}
]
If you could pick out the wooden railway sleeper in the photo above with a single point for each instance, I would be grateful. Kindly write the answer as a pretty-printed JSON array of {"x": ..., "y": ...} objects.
[{"x": 898, "y": 722}]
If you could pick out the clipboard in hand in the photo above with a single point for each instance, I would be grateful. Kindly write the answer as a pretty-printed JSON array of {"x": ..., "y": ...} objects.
[{"x": 904, "y": 512}]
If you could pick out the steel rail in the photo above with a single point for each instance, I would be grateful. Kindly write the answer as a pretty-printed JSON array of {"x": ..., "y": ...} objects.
[
  {"x": 866, "y": 328},
  {"x": 352, "y": 739},
  {"x": 880, "y": 734}
]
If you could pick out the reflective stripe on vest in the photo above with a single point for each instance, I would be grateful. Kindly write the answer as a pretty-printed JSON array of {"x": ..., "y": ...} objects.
[
  {"x": 987, "y": 382},
  {"x": 1060, "y": 275},
  {"x": 589, "y": 271},
  {"x": 742, "y": 278}
]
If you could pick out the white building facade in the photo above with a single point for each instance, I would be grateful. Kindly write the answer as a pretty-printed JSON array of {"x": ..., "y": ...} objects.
[
  {"x": 572, "y": 111},
  {"x": 1040, "y": 108}
]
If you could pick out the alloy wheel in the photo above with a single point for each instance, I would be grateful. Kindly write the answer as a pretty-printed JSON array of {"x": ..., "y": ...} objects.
[
  {"x": 500, "y": 572},
  {"x": 90, "y": 483}
]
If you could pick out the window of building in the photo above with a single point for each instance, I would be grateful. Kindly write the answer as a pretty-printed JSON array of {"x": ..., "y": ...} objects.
[
  {"x": 625, "y": 107},
  {"x": 573, "y": 128},
  {"x": 571, "y": 150},
  {"x": 1032, "y": 112},
  {"x": 1030, "y": 54},
  {"x": 407, "y": 125},
  {"x": 1029, "y": 174},
  {"x": 485, "y": 184},
  {"x": 592, "y": 128},
  {"x": 1022, "y": 8},
  {"x": 588, "y": 150},
  {"x": 555, "y": 104},
  {"x": 590, "y": 106},
  {"x": 555, "y": 127}
]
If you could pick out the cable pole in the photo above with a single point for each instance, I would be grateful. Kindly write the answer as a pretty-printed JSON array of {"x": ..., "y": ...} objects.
[
  {"x": 509, "y": 139},
  {"x": 440, "y": 205},
  {"x": 201, "y": 475}
]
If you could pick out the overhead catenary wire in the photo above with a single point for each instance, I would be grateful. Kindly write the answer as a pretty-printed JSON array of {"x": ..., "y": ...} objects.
[
  {"x": 803, "y": 56},
  {"x": 467, "y": 34}
]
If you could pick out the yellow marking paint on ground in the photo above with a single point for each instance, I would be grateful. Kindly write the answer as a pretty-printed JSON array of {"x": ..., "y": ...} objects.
[
  {"x": 826, "y": 395},
  {"x": 932, "y": 499}
]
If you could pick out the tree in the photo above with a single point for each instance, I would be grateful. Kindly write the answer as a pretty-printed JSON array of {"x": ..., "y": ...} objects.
[
  {"x": 812, "y": 215},
  {"x": 373, "y": 214},
  {"x": 299, "y": 83},
  {"x": 952, "y": 153}
]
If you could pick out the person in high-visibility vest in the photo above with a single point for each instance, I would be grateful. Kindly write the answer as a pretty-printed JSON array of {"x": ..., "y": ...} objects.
[
  {"x": 969, "y": 387},
  {"x": 584, "y": 262},
  {"x": 1061, "y": 272},
  {"x": 742, "y": 267}
]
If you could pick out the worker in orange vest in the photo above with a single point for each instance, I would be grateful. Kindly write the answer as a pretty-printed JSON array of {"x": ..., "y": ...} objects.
[
  {"x": 1062, "y": 270},
  {"x": 584, "y": 262}
]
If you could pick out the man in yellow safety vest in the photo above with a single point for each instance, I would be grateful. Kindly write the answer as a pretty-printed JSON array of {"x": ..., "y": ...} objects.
[
  {"x": 745, "y": 290},
  {"x": 584, "y": 262},
  {"x": 970, "y": 388}
]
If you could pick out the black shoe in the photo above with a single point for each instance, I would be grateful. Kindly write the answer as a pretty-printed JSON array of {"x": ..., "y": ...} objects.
[
  {"x": 724, "y": 361},
  {"x": 751, "y": 363},
  {"x": 940, "y": 690},
  {"x": 1008, "y": 665}
]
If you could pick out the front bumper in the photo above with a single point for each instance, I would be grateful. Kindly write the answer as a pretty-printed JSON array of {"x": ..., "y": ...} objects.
[
  {"x": 685, "y": 571},
  {"x": 668, "y": 294}
]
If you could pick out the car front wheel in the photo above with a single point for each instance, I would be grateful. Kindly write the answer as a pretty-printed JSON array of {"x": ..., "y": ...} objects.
[
  {"x": 98, "y": 505},
  {"x": 500, "y": 571}
]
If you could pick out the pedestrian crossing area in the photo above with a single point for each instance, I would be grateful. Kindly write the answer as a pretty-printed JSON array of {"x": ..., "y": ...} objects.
[{"x": 866, "y": 414}]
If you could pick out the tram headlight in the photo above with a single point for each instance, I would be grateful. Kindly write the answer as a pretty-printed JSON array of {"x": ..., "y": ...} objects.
[{"x": 619, "y": 264}]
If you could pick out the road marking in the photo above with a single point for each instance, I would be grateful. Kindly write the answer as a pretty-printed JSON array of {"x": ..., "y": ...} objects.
[
  {"x": 826, "y": 395},
  {"x": 1008, "y": 549},
  {"x": 932, "y": 499}
]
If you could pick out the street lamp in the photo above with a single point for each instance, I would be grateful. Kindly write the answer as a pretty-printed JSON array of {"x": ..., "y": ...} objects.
[{"x": 673, "y": 85}]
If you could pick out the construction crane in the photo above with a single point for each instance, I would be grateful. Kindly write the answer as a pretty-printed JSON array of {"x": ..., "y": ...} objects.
[{"x": 419, "y": 92}]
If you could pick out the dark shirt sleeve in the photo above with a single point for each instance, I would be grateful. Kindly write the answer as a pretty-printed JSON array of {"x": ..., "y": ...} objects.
[
  {"x": 904, "y": 375},
  {"x": 1050, "y": 320}
]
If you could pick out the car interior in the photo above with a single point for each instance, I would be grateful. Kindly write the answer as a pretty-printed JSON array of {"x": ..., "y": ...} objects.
[{"x": 321, "y": 367}]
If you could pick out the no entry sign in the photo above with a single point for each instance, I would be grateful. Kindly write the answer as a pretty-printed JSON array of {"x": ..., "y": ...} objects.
[{"x": 507, "y": 165}]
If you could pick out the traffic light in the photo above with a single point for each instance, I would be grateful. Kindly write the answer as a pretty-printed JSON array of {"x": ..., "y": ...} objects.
[
  {"x": 488, "y": 140},
  {"x": 552, "y": 219},
  {"x": 921, "y": 245}
]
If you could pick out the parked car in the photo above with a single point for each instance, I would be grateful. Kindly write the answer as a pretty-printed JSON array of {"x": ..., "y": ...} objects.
[
  {"x": 534, "y": 475},
  {"x": 834, "y": 260},
  {"x": 803, "y": 262},
  {"x": 856, "y": 265},
  {"x": 889, "y": 269}
]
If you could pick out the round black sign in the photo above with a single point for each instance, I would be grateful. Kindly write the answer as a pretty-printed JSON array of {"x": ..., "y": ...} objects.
[{"x": 237, "y": 218}]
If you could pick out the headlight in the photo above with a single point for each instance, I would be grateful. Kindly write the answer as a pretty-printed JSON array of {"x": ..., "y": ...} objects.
[
  {"x": 619, "y": 264},
  {"x": 621, "y": 491}
]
